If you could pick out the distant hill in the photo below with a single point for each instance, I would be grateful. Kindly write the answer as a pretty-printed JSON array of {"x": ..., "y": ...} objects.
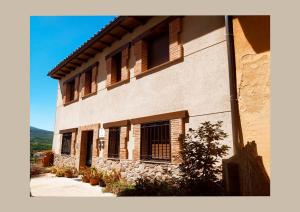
[{"x": 40, "y": 139}]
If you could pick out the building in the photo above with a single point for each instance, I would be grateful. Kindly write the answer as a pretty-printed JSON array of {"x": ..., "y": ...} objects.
[{"x": 128, "y": 95}]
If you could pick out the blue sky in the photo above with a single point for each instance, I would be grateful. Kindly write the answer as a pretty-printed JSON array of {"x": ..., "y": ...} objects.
[{"x": 52, "y": 38}]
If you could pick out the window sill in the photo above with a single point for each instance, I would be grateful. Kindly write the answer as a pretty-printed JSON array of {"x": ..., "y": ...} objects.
[
  {"x": 156, "y": 162},
  {"x": 116, "y": 84},
  {"x": 159, "y": 67},
  {"x": 70, "y": 102},
  {"x": 115, "y": 159},
  {"x": 88, "y": 95}
]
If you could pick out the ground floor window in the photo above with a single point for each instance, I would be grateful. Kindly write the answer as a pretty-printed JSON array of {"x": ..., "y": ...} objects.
[
  {"x": 155, "y": 141},
  {"x": 114, "y": 142},
  {"x": 66, "y": 144}
]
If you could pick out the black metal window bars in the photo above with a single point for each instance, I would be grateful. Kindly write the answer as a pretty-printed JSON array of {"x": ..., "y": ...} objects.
[
  {"x": 114, "y": 142},
  {"x": 155, "y": 141},
  {"x": 66, "y": 144}
]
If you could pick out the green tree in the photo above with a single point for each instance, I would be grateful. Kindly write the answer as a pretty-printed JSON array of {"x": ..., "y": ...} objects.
[{"x": 201, "y": 154}]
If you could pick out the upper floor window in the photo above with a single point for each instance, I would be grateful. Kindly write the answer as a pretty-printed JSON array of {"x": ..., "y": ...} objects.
[
  {"x": 88, "y": 82},
  {"x": 116, "y": 67},
  {"x": 155, "y": 141},
  {"x": 158, "y": 48},
  {"x": 66, "y": 144},
  {"x": 114, "y": 142},
  {"x": 70, "y": 90}
]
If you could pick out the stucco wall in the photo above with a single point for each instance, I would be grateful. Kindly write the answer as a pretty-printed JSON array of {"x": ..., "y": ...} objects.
[
  {"x": 252, "y": 52},
  {"x": 199, "y": 84}
]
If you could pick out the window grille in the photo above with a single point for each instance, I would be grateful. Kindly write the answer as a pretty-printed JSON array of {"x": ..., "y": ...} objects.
[
  {"x": 155, "y": 141},
  {"x": 114, "y": 142},
  {"x": 66, "y": 144}
]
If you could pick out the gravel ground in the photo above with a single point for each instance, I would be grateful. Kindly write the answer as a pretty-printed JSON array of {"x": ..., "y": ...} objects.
[{"x": 50, "y": 185}]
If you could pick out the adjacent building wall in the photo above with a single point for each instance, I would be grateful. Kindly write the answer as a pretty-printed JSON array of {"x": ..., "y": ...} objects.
[
  {"x": 252, "y": 53},
  {"x": 199, "y": 84}
]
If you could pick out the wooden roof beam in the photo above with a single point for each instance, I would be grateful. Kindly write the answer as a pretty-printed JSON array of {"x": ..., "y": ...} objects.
[
  {"x": 104, "y": 43},
  {"x": 129, "y": 30},
  {"x": 116, "y": 37}
]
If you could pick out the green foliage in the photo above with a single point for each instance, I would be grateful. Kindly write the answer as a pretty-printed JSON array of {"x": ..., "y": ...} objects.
[
  {"x": 201, "y": 153},
  {"x": 150, "y": 187},
  {"x": 40, "y": 140}
]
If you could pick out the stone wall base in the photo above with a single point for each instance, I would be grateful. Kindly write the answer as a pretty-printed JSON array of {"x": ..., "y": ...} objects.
[
  {"x": 64, "y": 160},
  {"x": 132, "y": 170}
]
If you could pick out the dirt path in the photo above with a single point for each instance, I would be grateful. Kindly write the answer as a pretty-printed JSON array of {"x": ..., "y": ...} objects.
[{"x": 50, "y": 185}]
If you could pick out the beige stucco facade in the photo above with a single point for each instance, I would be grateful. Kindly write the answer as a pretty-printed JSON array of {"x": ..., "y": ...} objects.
[{"x": 198, "y": 84}]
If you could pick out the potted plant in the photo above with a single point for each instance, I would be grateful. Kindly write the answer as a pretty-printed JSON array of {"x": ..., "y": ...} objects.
[
  {"x": 101, "y": 179},
  {"x": 60, "y": 172},
  {"x": 94, "y": 178},
  {"x": 70, "y": 172},
  {"x": 86, "y": 175}
]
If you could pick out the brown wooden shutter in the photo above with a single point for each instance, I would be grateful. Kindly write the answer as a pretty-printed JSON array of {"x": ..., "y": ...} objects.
[
  {"x": 64, "y": 93},
  {"x": 141, "y": 54},
  {"x": 175, "y": 48},
  {"x": 125, "y": 66},
  {"x": 108, "y": 71},
  {"x": 94, "y": 78},
  {"x": 76, "y": 89},
  {"x": 82, "y": 84}
]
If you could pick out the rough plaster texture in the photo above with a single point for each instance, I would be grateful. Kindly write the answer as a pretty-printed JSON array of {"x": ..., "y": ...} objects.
[
  {"x": 199, "y": 84},
  {"x": 252, "y": 48}
]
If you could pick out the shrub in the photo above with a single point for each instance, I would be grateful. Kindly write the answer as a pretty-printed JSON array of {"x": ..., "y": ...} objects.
[
  {"x": 70, "y": 172},
  {"x": 60, "y": 172},
  {"x": 201, "y": 154},
  {"x": 150, "y": 187}
]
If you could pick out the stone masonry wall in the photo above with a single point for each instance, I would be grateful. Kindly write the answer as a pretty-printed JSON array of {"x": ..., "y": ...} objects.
[
  {"x": 132, "y": 170},
  {"x": 64, "y": 160}
]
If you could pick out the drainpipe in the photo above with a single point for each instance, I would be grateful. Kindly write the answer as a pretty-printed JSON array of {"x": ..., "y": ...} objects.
[{"x": 236, "y": 128}]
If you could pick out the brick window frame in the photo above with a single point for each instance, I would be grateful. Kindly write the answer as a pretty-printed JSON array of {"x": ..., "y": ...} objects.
[
  {"x": 173, "y": 27},
  {"x": 70, "y": 90},
  {"x": 177, "y": 130},
  {"x": 114, "y": 143},
  {"x": 124, "y": 135},
  {"x": 73, "y": 133},
  {"x": 88, "y": 81},
  {"x": 117, "y": 67}
]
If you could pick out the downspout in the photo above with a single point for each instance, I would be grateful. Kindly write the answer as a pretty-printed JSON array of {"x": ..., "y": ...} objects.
[{"x": 236, "y": 127}]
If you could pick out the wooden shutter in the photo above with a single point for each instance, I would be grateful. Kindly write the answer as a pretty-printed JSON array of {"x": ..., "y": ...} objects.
[
  {"x": 125, "y": 64},
  {"x": 175, "y": 48},
  {"x": 82, "y": 84},
  {"x": 94, "y": 78},
  {"x": 108, "y": 71},
  {"x": 140, "y": 52},
  {"x": 76, "y": 88},
  {"x": 64, "y": 93}
]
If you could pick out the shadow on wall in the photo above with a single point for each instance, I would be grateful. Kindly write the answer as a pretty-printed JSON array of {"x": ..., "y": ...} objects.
[
  {"x": 244, "y": 174},
  {"x": 202, "y": 25},
  {"x": 257, "y": 31}
]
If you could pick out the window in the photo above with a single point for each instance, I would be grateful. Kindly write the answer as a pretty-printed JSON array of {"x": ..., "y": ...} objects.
[
  {"x": 66, "y": 144},
  {"x": 155, "y": 141},
  {"x": 116, "y": 67},
  {"x": 88, "y": 82},
  {"x": 114, "y": 142},
  {"x": 158, "y": 48},
  {"x": 70, "y": 90}
]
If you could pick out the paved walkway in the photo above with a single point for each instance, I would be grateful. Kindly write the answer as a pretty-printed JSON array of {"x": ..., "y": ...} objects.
[{"x": 50, "y": 185}]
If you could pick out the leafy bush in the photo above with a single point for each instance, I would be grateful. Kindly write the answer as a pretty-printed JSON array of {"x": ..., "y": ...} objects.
[
  {"x": 70, "y": 172},
  {"x": 60, "y": 172},
  {"x": 150, "y": 187},
  {"x": 111, "y": 179},
  {"x": 201, "y": 154}
]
